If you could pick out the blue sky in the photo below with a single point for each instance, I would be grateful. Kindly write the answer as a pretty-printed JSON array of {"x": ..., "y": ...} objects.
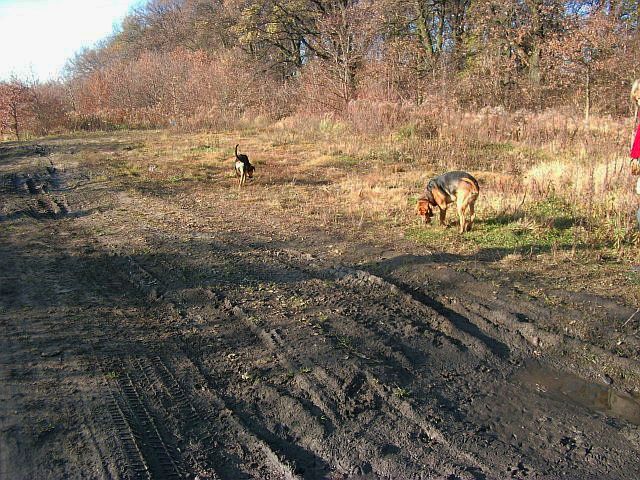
[{"x": 40, "y": 35}]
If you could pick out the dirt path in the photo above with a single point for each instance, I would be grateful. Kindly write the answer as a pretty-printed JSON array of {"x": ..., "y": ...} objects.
[{"x": 190, "y": 334}]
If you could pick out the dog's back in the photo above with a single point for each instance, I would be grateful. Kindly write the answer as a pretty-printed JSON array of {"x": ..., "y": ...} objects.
[
  {"x": 241, "y": 156},
  {"x": 450, "y": 182}
]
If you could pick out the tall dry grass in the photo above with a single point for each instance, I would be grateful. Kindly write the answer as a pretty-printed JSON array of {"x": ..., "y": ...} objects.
[{"x": 389, "y": 150}]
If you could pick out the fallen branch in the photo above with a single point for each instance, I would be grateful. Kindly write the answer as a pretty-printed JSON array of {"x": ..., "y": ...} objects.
[{"x": 630, "y": 318}]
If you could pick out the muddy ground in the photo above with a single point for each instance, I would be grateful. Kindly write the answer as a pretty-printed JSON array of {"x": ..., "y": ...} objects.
[{"x": 186, "y": 332}]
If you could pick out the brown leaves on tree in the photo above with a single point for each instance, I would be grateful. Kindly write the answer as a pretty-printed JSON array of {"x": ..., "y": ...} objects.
[{"x": 198, "y": 63}]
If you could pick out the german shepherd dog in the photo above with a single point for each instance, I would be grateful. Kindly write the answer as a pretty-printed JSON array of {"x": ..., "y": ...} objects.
[
  {"x": 459, "y": 187},
  {"x": 243, "y": 167}
]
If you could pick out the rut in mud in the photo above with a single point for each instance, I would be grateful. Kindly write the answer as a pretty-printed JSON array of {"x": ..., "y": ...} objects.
[{"x": 165, "y": 336}]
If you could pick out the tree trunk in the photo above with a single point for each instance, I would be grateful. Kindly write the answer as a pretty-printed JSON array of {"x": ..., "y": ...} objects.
[
  {"x": 534, "y": 66},
  {"x": 536, "y": 39},
  {"x": 587, "y": 95},
  {"x": 423, "y": 31},
  {"x": 16, "y": 126}
]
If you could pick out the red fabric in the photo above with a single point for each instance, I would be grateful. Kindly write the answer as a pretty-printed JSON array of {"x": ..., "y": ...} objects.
[{"x": 635, "y": 150}]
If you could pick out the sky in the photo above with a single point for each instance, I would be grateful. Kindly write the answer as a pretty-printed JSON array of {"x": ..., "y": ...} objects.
[{"x": 40, "y": 35}]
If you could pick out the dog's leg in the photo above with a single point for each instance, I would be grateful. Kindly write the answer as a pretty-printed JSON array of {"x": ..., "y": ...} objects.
[
  {"x": 461, "y": 216},
  {"x": 461, "y": 205},
  {"x": 443, "y": 215},
  {"x": 441, "y": 201},
  {"x": 472, "y": 212}
]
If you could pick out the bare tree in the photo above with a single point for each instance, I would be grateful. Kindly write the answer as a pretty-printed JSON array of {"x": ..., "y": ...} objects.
[{"x": 14, "y": 104}]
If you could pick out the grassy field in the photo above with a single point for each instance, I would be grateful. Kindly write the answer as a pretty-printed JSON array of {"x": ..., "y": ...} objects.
[
  {"x": 142, "y": 287},
  {"x": 553, "y": 191},
  {"x": 556, "y": 196}
]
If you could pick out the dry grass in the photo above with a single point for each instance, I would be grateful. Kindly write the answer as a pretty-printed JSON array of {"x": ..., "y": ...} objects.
[
  {"x": 552, "y": 188},
  {"x": 551, "y": 162}
]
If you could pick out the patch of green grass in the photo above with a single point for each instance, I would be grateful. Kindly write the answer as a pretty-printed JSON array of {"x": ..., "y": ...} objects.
[
  {"x": 553, "y": 211},
  {"x": 344, "y": 160},
  {"x": 432, "y": 234},
  {"x": 492, "y": 156},
  {"x": 495, "y": 147},
  {"x": 407, "y": 131},
  {"x": 203, "y": 148},
  {"x": 540, "y": 226},
  {"x": 401, "y": 392},
  {"x": 177, "y": 178},
  {"x": 634, "y": 278},
  {"x": 417, "y": 129},
  {"x": 328, "y": 126},
  {"x": 389, "y": 155},
  {"x": 412, "y": 201},
  {"x": 128, "y": 170},
  {"x": 520, "y": 234},
  {"x": 534, "y": 155}
]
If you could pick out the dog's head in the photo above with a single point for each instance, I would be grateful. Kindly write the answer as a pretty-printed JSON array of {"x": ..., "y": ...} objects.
[
  {"x": 424, "y": 209},
  {"x": 250, "y": 171}
]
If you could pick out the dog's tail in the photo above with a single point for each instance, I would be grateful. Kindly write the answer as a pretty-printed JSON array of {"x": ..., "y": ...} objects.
[
  {"x": 237, "y": 151},
  {"x": 475, "y": 188}
]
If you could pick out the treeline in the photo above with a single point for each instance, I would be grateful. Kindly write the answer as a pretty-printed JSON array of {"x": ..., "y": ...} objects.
[{"x": 209, "y": 63}]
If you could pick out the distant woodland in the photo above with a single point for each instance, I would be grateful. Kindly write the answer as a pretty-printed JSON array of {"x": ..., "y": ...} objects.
[{"x": 212, "y": 63}]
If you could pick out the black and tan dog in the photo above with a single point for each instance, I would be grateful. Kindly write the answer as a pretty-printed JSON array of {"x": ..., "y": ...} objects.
[
  {"x": 243, "y": 167},
  {"x": 459, "y": 187}
]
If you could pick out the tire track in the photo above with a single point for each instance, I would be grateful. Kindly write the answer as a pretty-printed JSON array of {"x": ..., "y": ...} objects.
[
  {"x": 496, "y": 317},
  {"x": 403, "y": 410},
  {"x": 146, "y": 448},
  {"x": 37, "y": 194},
  {"x": 278, "y": 464},
  {"x": 460, "y": 330},
  {"x": 277, "y": 346},
  {"x": 142, "y": 424},
  {"x": 194, "y": 424},
  {"x": 134, "y": 461},
  {"x": 262, "y": 442}
]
